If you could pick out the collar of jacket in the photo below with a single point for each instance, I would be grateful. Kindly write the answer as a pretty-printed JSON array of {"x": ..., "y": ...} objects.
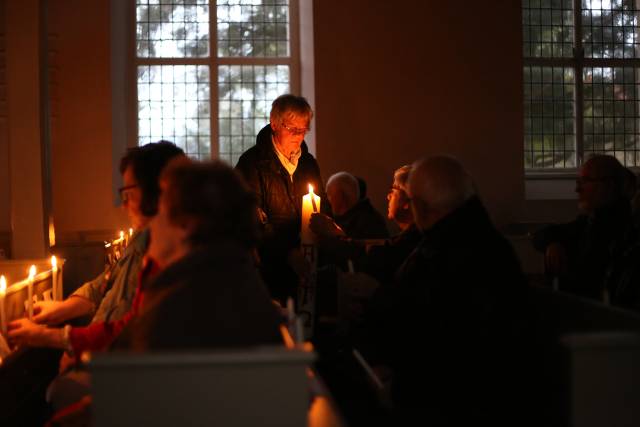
[
  {"x": 267, "y": 152},
  {"x": 466, "y": 222}
]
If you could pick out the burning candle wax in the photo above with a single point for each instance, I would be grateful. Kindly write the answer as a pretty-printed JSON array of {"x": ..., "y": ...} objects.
[
  {"x": 3, "y": 291},
  {"x": 32, "y": 275},
  {"x": 310, "y": 205},
  {"x": 55, "y": 286}
]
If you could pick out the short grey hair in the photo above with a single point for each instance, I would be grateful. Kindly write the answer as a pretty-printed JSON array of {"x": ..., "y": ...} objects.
[
  {"x": 348, "y": 185},
  {"x": 441, "y": 182},
  {"x": 288, "y": 106}
]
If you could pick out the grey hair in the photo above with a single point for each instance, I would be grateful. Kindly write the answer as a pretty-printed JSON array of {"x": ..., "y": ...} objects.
[
  {"x": 287, "y": 106},
  {"x": 441, "y": 182},
  {"x": 401, "y": 177},
  {"x": 347, "y": 183}
]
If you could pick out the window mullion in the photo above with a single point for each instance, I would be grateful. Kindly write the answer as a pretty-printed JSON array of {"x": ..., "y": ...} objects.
[
  {"x": 213, "y": 82},
  {"x": 578, "y": 103}
]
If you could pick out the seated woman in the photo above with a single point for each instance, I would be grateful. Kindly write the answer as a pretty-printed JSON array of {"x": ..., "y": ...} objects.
[
  {"x": 379, "y": 261},
  {"x": 209, "y": 293},
  {"x": 200, "y": 287}
]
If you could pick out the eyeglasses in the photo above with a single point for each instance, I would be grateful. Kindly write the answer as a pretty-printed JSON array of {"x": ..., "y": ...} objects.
[
  {"x": 124, "y": 192},
  {"x": 397, "y": 188},
  {"x": 295, "y": 131}
]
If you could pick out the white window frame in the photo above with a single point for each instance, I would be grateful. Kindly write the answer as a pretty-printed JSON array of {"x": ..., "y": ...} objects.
[{"x": 124, "y": 63}]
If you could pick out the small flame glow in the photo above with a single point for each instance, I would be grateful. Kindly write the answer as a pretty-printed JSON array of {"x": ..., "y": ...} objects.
[
  {"x": 3, "y": 285},
  {"x": 32, "y": 272},
  {"x": 130, "y": 232},
  {"x": 54, "y": 262},
  {"x": 121, "y": 234},
  {"x": 310, "y": 189}
]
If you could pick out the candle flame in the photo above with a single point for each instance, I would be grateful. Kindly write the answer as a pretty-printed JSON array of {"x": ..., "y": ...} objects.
[
  {"x": 310, "y": 189},
  {"x": 3, "y": 285},
  {"x": 54, "y": 262},
  {"x": 130, "y": 232},
  {"x": 121, "y": 234},
  {"x": 32, "y": 272}
]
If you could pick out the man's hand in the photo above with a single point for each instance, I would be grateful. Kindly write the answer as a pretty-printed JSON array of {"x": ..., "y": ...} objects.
[
  {"x": 555, "y": 259},
  {"x": 66, "y": 363},
  {"x": 48, "y": 312},
  {"x": 324, "y": 226},
  {"x": 299, "y": 264},
  {"x": 25, "y": 332}
]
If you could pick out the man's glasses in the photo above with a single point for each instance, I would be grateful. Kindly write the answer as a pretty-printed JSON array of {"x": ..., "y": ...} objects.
[
  {"x": 124, "y": 192},
  {"x": 295, "y": 131}
]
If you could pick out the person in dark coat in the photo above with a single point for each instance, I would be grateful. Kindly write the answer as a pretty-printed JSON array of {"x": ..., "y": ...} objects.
[
  {"x": 355, "y": 216},
  {"x": 451, "y": 327},
  {"x": 580, "y": 253},
  {"x": 208, "y": 293},
  {"x": 279, "y": 170},
  {"x": 378, "y": 260}
]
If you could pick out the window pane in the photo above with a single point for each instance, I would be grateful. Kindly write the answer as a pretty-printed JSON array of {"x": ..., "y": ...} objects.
[
  {"x": 254, "y": 28},
  {"x": 547, "y": 28},
  {"x": 245, "y": 96},
  {"x": 611, "y": 113},
  {"x": 173, "y": 104},
  {"x": 610, "y": 28},
  {"x": 549, "y": 117},
  {"x": 172, "y": 29}
]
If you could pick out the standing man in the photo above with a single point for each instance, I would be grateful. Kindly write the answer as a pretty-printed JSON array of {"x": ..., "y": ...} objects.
[{"x": 279, "y": 169}]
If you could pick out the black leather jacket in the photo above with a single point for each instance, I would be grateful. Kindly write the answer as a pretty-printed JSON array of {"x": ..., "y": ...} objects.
[{"x": 278, "y": 196}]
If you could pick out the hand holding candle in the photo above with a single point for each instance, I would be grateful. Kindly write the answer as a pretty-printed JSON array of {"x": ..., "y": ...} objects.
[{"x": 310, "y": 205}]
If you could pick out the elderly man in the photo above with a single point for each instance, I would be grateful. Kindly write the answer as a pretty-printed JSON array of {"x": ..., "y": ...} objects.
[
  {"x": 461, "y": 294},
  {"x": 580, "y": 252},
  {"x": 357, "y": 218},
  {"x": 279, "y": 169}
]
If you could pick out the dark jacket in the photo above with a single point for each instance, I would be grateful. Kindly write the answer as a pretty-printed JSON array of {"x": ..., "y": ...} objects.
[
  {"x": 363, "y": 222},
  {"x": 590, "y": 243},
  {"x": 451, "y": 326},
  {"x": 382, "y": 262},
  {"x": 210, "y": 299},
  {"x": 280, "y": 199}
]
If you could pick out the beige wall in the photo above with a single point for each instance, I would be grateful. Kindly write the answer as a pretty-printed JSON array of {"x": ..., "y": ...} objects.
[
  {"x": 81, "y": 122},
  {"x": 394, "y": 81},
  {"x": 5, "y": 222},
  {"x": 399, "y": 80}
]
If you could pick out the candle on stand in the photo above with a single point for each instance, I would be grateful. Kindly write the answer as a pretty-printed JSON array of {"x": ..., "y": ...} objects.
[
  {"x": 32, "y": 275},
  {"x": 54, "y": 278},
  {"x": 3, "y": 318},
  {"x": 310, "y": 205}
]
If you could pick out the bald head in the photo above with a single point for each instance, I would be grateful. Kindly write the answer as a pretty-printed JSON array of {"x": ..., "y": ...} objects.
[
  {"x": 438, "y": 185},
  {"x": 343, "y": 192}
]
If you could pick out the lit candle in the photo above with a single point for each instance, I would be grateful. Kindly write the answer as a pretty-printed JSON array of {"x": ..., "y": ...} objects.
[
  {"x": 310, "y": 205},
  {"x": 54, "y": 278},
  {"x": 3, "y": 291},
  {"x": 32, "y": 275}
]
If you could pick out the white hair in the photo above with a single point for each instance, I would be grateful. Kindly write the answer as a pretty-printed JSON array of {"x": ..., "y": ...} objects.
[
  {"x": 347, "y": 184},
  {"x": 441, "y": 182}
]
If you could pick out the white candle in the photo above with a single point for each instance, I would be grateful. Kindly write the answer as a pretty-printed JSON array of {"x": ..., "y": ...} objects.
[
  {"x": 3, "y": 291},
  {"x": 310, "y": 205},
  {"x": 54, "y": 278},
  {"x": 32, "y": 275}
]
